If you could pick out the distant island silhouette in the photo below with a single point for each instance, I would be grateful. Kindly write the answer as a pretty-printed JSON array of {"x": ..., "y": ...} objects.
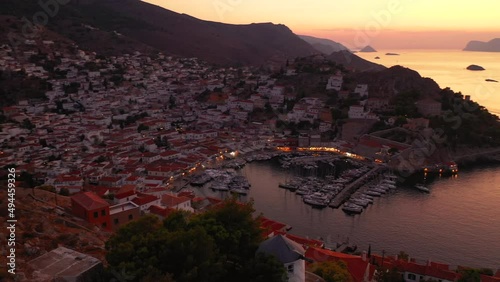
[
  {"x": 480, "y": 46},
  {"x": 368, "y": 49},
  {"x": 475, "y": 68}
]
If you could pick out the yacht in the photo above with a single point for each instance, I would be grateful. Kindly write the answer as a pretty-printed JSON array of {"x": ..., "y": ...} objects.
[
  {"x": 422, "y": 188},
  {"x": 352, "y": 208},
  {"x": 373, "y": 193},
  {"x": 316, "y": 200},
  {"x": 239, "y": 190}
]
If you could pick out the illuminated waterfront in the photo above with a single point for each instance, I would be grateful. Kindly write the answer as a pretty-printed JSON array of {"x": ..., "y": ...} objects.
[{"x": 456, "y": 223}]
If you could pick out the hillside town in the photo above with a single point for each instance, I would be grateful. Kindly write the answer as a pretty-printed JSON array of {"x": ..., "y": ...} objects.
[{"x": 119, "y": 135}]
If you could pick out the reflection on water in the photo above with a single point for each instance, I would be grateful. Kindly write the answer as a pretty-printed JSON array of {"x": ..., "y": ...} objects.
[
  {"x": 448, "y": 69},
  {"x": 457, "y": 223}
]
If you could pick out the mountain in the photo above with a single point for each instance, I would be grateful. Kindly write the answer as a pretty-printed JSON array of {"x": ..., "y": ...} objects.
[
  {"x": 120, "y": 22},
  {"x": 325, "y": 46},
  {"x": 480, "y": 46},
  {"x": 354, "y": 62},
  {"x": 368, "y": 49}
]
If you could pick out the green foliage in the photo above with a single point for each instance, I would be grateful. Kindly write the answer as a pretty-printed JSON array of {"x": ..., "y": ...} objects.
[
  {"x": 27, "y": 124},
  {"x": 28, "y": 179},
  {"x": 332, "y": 271},
  {"x": 142, "y": 127},
  {"x": 386, "y": 275},
  {"x": 402, "y": 254},
  {"x": 218, "y": 245},
  {"x": 470, "y": 275},
  {"x": 404, "y": 104},
  {"x": 64, "y": 192},
  {"x": 73, "y": 87},
  {"x": 100, "y": 159}
]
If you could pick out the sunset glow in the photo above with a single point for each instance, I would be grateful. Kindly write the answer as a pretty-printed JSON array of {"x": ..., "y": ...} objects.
[{"x": 382, "y": 23}]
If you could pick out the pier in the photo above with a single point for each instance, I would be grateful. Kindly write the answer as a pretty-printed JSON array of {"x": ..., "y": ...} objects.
[{"x": 340, "y": 198}]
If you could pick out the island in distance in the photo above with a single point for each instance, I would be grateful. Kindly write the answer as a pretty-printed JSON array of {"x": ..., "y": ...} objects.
[
  {"x": 491, "y": 80},
  {"x": 391, "y": 54},
  {"x": 475, "y": 68},
  {"x": 480, "y": 46},
  {"x": 367, "y": 49}
]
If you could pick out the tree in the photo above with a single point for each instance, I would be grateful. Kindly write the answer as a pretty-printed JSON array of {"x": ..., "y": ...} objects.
[
  {"x": 218, "y": 245},
  {"x": 332, "y": 271},
  {"x": 27, "y": 124},
  {"x": 386, "y": 275},
  {"x": 64, "y": 192},
  {"x": 470, "y": 275},
  {"x": 28, "y": 179},
  {"x": 171, "y": 101},
  {"x": 269, "y": 108},
  {"x": 142, "y": 127}
]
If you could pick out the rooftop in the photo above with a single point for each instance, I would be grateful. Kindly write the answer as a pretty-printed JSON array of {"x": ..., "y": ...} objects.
[
  {"x": 122, "y": 207},
  {"x": 62, "y": 263}
]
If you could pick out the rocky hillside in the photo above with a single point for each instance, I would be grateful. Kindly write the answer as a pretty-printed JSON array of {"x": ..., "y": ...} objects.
[
  {"x": 325, "y": 46},
  {"x": 397, "y": 79},
  {"x": 350, "y": 60},
  {"x": 110, "y": 27},
  {"x": 41, "y": 227}
]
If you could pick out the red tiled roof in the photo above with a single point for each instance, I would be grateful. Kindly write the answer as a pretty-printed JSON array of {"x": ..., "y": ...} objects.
[
  {"x": 125, "y": 191},
  {"x": 304, "y": 241},
  {"x": 355, "y": 264},
  {"x": 164, "y": 212},
  {"x": 89, "y": 201},
  {"x": 485, "y": 278},
  {"x": 172, "y": 201},
  {"x": 269, "y": 226},
  {"x": 143, "y": 199}
]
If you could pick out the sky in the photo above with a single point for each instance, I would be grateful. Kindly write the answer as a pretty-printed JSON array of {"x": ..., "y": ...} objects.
[{"x": 383, "y": 24}]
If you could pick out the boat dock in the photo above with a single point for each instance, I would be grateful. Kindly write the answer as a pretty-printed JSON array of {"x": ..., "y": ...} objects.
[{"x": 340, "y": 198}]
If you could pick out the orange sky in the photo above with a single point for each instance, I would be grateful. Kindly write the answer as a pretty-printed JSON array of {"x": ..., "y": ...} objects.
[{"x": 384, "y": 24}]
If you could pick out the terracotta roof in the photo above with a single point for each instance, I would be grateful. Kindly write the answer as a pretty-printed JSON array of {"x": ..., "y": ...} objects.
[
  {"x": 172, "y": 201},
  {"x": 355, "y": 264},
  {"x": 143, "y": 199},
  {"x": 305, "y": 241},
  {"x": 125, "y": 191},
  {"x": 89, "y": 201},
  {"x": 164, "y": 212}
]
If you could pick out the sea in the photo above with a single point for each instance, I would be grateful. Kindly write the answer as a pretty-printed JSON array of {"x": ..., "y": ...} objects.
[{"x": 448, "y": 69}]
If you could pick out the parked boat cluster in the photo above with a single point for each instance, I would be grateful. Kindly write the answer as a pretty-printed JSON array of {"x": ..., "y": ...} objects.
[
  {"x": 365, "y": 195},
  {"x": 320, "y": 192},
  {"x": 223, "y": 180}
]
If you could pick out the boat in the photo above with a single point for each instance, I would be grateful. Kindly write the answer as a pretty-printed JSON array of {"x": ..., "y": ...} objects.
[
  {"x": 422, "y": 188},
  {"x": 316, "y": 200},
  {"x": 360, "y": 202},
  {"x": 219, "y": 187},
  {"x": 304, "y": 190},
  {"x": 289, "y": 186},
  {"x": 351, "y": 208},
  {"x": 373, "y": 193},
  {"x": 240, "y": 191}
]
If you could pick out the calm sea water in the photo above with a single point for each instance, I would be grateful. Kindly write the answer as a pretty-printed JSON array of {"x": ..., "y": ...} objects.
[
  {"x": 448, "y": 69},
  {"x": 457, "y": 223}
]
